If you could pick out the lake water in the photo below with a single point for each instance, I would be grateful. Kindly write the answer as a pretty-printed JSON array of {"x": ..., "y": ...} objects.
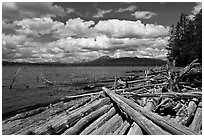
[{"x": 28, "y": 90}]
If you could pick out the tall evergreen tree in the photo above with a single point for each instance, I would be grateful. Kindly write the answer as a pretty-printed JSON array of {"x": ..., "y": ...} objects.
[{"x": 185, "y": 43}]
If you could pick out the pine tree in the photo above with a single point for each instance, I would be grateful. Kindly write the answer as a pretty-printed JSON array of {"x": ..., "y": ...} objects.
[{"x": 185, "y": 43}]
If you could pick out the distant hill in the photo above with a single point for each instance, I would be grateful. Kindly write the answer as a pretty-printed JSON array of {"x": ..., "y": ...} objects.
[
  {"x": 101, "y": 61},
  {"x": 125, "y": 61}
]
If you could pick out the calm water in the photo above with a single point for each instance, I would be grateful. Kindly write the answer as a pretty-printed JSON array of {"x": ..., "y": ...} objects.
[{"x": 29, "y": 91}]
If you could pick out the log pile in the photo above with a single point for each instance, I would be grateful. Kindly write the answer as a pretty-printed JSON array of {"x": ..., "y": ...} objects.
[{"x": 159, "y": 102}]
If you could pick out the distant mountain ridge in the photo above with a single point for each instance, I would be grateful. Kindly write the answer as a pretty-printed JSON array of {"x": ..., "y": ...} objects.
[
  {"x": 101, "y": 61},
  {"x": 124, "y": 61}
]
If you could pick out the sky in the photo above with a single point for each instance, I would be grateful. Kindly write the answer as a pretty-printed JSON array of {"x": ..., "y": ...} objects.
[{"x": 74, "y": 32}]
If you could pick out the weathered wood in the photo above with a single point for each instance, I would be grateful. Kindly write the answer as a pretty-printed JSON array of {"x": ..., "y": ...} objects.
[
  {"x": 123, "y": 127},
  {"x": 41, "y": 121},
  {"x": 33, "y": 119},
  {"x": 76, "y": 116},
  {"x": 112, "y": 127},
  {"x": 187, "y": 68},
  {"x": 104, "y": 128},
  {"x": 197, "y": 121},
  {"x": 145, "y": 80},
  {"x": 80, "y": 125},
  {"x": 152, "y": 102},
  {"x": 171, "y": 95},
  {"x": 46, "y": 80},
  {"x": 135, "y": 130},
  {"x": 13, "y": 81},
  {"x": 99, "y": 122},
  {"x": 141, "y": 120},
  {"x": 81, "y": 95},
  {"x": 178, "y": 106},
  {"x": 79, "y": 104},
  {"x": 177, "y": 119},
  {"x": 200, "y": 132},
  {"x": 27, "y": 114},
  {"x": 161, "y": 121},
  {"x": 60, "y": 125},
  {"x": 192, "y": 105}
]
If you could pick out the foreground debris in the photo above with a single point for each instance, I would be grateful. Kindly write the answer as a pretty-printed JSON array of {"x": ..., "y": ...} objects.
[{"x": 157, "y": 102}]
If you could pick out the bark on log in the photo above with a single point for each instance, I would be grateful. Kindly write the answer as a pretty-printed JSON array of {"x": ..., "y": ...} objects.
[
  {"x": 161, "y": 121},
  {"x": 122, "y": 129},
  {"x": 99, "y": 122},
  {"x": 80, "y": 125},
  {"x": 197, "y": 121},
  {"x": 135, "y": 130},
  {"x": 141, "y": 120}
]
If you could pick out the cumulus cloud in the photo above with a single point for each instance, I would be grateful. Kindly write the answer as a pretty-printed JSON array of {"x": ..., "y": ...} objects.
[
  {"x": 78, "y": 40},
  {"x": 197, "y": 8},
  {"x": 100, "y": 13},
  {"x": 143, "y": 14},
  {"x": 34, "y": 26},
  {"x": 130, "y": 29},
  {"x": 20, "y": 10},
  {"x": 75, "y": 27},
  {"x": 130, "y": 8}
]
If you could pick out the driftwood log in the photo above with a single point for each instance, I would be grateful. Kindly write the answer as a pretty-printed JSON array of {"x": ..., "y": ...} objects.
[
  {"x": 99, "y": 122},
  {"x": 169, "y": 126},
  {"x": 13, "y": 81},
  {"x": 101, "y": 130},
  {"x": 78, "y": 127},
  {"x": 171, "y": 95},
  {"x": 62, "y": 123},
  {"x": 122, "y": 129},
  {"x": 197, "y": 121},
  {"x": 141, "y": 120},
  {"x": 135, "y": 130}
]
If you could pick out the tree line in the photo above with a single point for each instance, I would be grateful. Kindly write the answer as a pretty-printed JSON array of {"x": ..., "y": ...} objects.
[{"x": 185, "y": 43}]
